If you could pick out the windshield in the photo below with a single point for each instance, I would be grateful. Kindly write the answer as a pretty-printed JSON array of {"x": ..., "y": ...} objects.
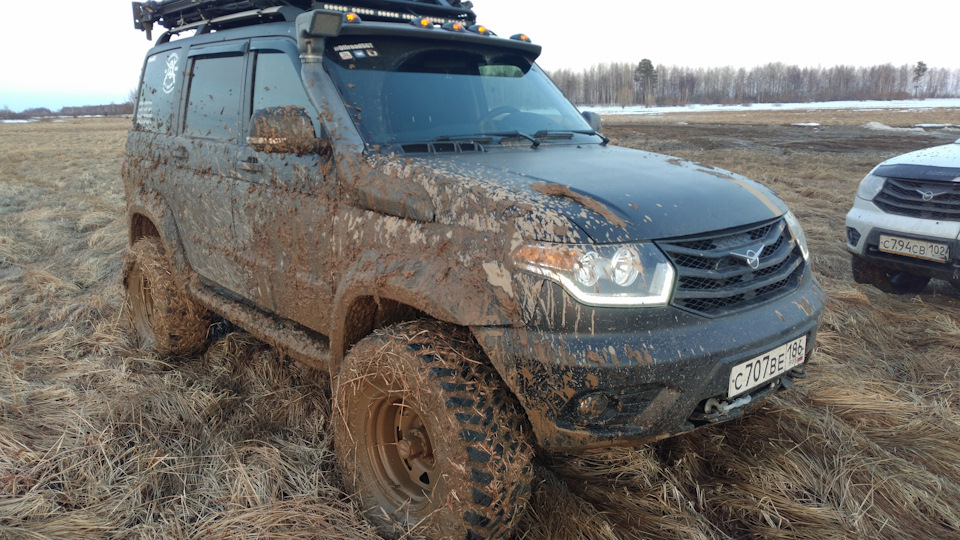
[{"x": 401, "y": 90}]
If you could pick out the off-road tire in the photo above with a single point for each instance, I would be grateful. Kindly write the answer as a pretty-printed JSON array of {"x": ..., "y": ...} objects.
[
  {"x": 886, "y": 279},
  {"x": 427, "y": 436},
  {"x": 162, "y": 316}
]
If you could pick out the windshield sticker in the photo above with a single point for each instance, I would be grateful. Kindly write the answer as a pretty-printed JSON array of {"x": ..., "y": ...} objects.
[
  {"x": 346, "y": 55},
  {"x": 372, "y": 52},
  {"x": 170, "y": 77},
  {"x": 359, "y": 54},
  {"x": 353, "y": 47}
]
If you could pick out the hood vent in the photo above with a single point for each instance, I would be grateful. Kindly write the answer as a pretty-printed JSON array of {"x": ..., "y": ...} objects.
[{"x": 451, "y": 147}]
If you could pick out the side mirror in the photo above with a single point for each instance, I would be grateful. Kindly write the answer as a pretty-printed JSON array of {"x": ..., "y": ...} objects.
[
  {"x": 283, "y": 130},
  {"x": 596, "y": 123}
]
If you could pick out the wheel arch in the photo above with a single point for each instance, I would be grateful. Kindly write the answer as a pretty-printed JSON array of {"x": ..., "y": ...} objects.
[{"x": 153, "y": 219}]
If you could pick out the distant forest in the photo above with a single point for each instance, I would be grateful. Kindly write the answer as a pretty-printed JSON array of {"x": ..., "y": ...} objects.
[
  {"x": 643, "y": 84},
  {"x": 89, "y": 110}
]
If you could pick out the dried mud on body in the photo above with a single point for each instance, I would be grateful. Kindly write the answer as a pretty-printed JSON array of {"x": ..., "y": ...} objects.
[{"x": 98, "y": 440}]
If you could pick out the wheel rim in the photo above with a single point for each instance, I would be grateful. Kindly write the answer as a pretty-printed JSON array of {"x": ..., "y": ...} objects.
[{"x": 400, "y": 451}]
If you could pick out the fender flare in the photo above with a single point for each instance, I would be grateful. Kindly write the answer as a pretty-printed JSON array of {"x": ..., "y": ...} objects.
[{"x": 151, "y": 216}]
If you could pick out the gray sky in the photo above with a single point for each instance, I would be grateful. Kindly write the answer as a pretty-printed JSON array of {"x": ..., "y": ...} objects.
[{"x": 56, "y": 54}]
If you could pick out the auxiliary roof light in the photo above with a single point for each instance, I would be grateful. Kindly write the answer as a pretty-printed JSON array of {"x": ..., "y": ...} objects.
[
  {"x": 521, "y": 37},
  {"x": 352, "y": 18},
  {"x": 480, "y": 29},
  {"x": 422, "y": 22},
  {"x": 454, "y": 27}
]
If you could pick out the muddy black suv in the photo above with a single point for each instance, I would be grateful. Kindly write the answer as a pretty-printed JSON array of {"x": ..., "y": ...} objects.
[{"x": 393, "y": 194}]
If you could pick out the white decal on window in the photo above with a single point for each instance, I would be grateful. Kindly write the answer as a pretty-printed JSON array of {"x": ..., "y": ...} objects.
[{"x": 170, "y": 77}]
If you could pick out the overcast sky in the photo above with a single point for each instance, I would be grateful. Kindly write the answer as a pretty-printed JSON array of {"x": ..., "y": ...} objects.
[{"x": 58, "y": 53}]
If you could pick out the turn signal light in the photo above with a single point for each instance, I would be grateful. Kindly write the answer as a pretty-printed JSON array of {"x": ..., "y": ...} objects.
[
  {"x": 521, "y": 37},
  {"x": 480, "y": 29},
  {"x": 454, "y": 27},
  {"x": 422, "y": 22},
  {"x": 352, "y": 18}
]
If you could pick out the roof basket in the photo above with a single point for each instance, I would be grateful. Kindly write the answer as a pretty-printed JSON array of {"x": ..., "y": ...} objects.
[{"x": 177, "y": 13}]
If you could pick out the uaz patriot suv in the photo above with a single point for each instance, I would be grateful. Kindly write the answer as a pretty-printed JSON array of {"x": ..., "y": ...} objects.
[
  {"x": 904, "y": 227},
  {"x": 391, "y": 193}
]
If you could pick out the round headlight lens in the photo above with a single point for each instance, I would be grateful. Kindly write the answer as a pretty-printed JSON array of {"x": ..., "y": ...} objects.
[
  {"x": 588, "y": 271},
  {"x": 626, "y": 266}
]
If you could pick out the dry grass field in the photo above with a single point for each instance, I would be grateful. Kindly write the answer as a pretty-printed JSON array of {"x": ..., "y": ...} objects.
[{"x": 98, "y": 440}]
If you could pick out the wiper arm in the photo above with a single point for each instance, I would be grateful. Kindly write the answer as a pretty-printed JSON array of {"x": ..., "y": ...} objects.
[
  {"x": 482, "y": 138},
  {"x": 568, "y": 134},
  {"x": 488, "y": 137},
  {"x": 534, "y": 142}
]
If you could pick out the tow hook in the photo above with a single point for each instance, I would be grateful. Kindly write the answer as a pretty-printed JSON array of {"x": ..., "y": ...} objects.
[{"x": 713, "y": 405}]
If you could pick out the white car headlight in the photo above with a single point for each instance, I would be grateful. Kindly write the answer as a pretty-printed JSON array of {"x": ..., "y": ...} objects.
[
  {"x": 870, "y": 186},
  {"x": 797, "y": 231},
  {"x": 603, "y": 275}
]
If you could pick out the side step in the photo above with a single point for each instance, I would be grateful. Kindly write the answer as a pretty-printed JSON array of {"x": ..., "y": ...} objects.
[{"x": 289, "y": 338}]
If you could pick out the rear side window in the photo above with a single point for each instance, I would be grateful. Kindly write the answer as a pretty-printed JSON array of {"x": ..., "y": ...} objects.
[
  {"x": 213, "y": 101},
  {"x": 157, "y": 103}
]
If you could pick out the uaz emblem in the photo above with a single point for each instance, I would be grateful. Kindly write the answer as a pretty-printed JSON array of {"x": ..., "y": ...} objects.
[
  {"x": 751, "y": 257},
  {"x": 929, "y": 195}
]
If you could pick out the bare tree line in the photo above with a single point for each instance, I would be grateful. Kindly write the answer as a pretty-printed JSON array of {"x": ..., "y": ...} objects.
[{"x": 623, "y": 84}]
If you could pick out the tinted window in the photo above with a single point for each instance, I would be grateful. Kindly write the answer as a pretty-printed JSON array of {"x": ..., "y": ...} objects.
[
  {"x": 276, "y": 83},
  {"x": 156, "y": 105},
  {"x": 213, "y": 104}
]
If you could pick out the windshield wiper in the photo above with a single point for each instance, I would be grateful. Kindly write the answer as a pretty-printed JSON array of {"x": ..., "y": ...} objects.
[
  {"x": 489, "y": 137},
  {"x": 568, "y": 134}
]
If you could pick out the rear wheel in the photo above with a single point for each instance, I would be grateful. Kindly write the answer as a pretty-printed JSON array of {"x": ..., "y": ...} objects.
[
  {"x": 162, "y": 316},
  {"x": 427, "y": 437},
  {"x": 885, "y": 278}
]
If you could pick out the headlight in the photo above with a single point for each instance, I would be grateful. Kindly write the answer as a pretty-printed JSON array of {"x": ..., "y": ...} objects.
[
  {"x": 870, "y": 186},
  {"x": 797, "y": 231},
  {"x": 604, "y": 275}
]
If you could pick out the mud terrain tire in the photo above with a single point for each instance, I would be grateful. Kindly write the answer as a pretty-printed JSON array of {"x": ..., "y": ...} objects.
[
  {"x": 163, "y": 318},
  {"x": 885, "y": 279},
  {"x": 427, "y": 437}
]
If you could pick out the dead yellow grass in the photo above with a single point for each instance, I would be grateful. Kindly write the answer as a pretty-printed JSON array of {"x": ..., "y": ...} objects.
[{"x": 98, "y": 440}]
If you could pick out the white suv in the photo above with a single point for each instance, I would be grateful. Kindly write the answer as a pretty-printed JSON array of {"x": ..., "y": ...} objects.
[{"x": 904, "y": 227}]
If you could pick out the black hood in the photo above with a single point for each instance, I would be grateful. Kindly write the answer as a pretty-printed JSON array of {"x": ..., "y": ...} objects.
[{"x": 644, "y": 196}]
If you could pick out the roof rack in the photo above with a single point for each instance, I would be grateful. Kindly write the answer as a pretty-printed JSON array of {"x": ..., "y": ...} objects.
[{"x": 173, "y": 14}]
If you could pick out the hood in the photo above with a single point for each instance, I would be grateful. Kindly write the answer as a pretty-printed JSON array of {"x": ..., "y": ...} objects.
[
  {"x": 937, "y": 163},
  {"x": 617, "y": 194}
]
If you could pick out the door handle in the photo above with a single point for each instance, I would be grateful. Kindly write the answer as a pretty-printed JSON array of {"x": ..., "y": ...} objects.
[{"x": 251, "y": 164}]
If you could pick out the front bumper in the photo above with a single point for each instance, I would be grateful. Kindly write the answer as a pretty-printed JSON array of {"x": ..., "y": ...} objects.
[
  {"x": 865, "y": 222},
  {"x": 613, "y": 376}
]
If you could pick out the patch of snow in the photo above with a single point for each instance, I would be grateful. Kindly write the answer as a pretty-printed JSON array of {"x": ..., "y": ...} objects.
[
  {"x": 883, "y": 127},
  {"x": 640, "y": 110},
  {"x": 806, "y": 124}
]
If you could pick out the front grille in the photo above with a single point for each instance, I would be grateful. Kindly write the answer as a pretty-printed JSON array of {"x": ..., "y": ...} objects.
[
  {"x": 923, "y": 199},
  {"x": 714, "y": 272}
]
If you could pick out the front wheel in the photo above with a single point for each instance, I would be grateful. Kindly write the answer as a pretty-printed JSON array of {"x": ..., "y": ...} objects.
[
  {"x": 885, "y": 279},
  {"x": 427, "y": 436},
  {"x": 163, "y": 317}
]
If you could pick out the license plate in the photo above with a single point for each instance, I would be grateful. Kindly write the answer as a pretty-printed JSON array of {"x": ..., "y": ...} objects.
[
  {"x": 761, "y": 369},
  {"x": 918, "y": 249}
]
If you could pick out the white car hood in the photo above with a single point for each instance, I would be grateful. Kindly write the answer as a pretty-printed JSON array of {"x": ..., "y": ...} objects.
[{"x": 947, "y": 155}]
